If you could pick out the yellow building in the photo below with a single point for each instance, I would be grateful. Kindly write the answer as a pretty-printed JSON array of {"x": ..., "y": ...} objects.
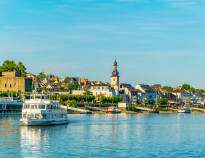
[
  {"x": 11, "y": 81},
  {"x": 84, "y": 81}
]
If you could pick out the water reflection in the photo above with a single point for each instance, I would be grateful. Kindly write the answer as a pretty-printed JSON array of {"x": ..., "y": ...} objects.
[
  {"x": 36, "y": 140},
  {"x": 106, "y": 136}
]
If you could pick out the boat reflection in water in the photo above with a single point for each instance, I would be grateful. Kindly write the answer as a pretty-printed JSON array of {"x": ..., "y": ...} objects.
[{"x": 36, "y": 140}]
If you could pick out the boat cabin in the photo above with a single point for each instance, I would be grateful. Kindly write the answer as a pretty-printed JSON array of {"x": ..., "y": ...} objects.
[{"x": 42, "y": 107}]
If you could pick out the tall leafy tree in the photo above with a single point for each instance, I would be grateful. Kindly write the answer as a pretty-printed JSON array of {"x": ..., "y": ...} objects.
[
  {"x": 21, "y": 69},
  {"x": 186, "y": 87},
  {"x": 41, "y": 75},
  {"x": 163, "y": 101},
  {"x": 9, "y": 65},
  {"x": 167, "y": 88}
]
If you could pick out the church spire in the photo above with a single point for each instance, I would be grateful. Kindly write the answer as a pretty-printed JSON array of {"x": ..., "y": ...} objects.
[
  {"x": 115, "y": 78},
  {"x": 115, "y": 71},
  {"x": 115, "y": 62}
]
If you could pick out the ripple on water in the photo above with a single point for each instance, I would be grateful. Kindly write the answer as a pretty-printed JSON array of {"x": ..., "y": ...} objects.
[{"x": 135, "y": 135}]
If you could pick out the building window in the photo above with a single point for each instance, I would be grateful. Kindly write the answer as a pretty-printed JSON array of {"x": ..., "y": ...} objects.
[
  {"x": 10, "y": 85},
  {"x": 5, "y": 85}
]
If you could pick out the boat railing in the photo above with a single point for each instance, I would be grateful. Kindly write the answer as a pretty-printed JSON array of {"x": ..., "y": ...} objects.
[{"x": 7, "y": 99}]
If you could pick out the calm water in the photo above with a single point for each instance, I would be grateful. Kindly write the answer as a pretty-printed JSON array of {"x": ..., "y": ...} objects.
[{"x": 140, "y": 135}]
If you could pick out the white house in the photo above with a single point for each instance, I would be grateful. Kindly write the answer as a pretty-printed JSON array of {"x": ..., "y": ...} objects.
[
  {"x": 104, "y": 90},
  {"x": 147, "y": 94},
  {"x": 131, "y": 94},
  {"x": 77, "y": 92},
  {"x": 124, "y": 105}
]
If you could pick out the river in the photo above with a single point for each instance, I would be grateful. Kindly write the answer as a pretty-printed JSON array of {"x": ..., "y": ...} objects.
[{"x": 124, "y": 135}]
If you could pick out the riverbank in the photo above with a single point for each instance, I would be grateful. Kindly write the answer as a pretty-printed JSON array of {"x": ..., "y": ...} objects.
[{"x": 125, "y": 111}]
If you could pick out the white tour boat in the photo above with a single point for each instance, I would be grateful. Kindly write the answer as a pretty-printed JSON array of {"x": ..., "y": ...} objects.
[{"x": 40, "y": 111}]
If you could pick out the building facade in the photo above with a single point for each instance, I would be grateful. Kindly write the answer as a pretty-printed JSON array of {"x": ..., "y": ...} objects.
[
  {"x": 11, "y": 81},
  {"x": 102, "y": 90},
  {"x": 147, "y": 94}
]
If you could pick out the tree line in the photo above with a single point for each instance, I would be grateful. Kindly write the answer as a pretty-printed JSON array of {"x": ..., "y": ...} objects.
[
  {"x": 186, "y": 87},
  {"x": 10, "y": 65}
]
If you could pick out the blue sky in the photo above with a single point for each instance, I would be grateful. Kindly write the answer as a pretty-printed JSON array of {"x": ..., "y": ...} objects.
[{"x": 155, "y": 41}]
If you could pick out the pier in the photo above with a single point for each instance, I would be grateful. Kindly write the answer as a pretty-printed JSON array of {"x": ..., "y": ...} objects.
[
  {"x": 175, "y": 110},
  {"x": 147, "y": 109},
  {"x": 81, "y": 111},
  {"x": 95, "y": 108},
  {"x": 199, "y": 109}
]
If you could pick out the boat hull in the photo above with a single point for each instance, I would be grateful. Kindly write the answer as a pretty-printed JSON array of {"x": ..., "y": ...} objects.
[
  {"x": 44, "y": 122},
  {"x": 184, "y": 111},
  {"x": 113, "y": 112}
]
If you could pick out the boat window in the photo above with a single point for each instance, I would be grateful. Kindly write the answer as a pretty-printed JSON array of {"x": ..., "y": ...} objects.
[{"x": 26, "y": 106}]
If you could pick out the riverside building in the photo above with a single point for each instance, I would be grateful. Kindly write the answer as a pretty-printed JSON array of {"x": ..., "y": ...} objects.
[{"x": 11, "y": 81}]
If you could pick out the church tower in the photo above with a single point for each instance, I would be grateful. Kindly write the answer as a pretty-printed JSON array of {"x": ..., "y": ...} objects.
[{"x": 115, "y": 78}]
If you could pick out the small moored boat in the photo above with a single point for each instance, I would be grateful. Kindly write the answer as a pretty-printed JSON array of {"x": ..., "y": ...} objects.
[
  {"x": 185, "y": 109},
  {"x": 40, "y": 111},
  {"x": 113, "y": 110}
]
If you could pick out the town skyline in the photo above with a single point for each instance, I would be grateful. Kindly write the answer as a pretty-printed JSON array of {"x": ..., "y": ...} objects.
[
  {"x": 155, "y": 42},
  {"x": 21, "y": 69}
]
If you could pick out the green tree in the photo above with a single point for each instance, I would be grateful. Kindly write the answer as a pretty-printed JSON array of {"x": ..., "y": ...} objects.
[
  {"x": 41, "y": 75},
  {"x": 88, "y": 93},
  {"x": 162, "y": 101},
  {"x": 21, "y": 69},
  {"x": 168, "y": 89},
  {"x": 73, "y": 104},
  {"x": 193, "y": 90},
  {"x": 67, "y": 79},
  {"x": 186, "y": 87},
  {"x": 72, "y": 86},
  {"x": 114, "y": 99},
  {"x": 8, "y": 66}
]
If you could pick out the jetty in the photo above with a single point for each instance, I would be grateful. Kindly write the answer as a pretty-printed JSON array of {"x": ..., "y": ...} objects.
[
  {"x": 175, "y": 110},
  {"x": 147, "y": 109},
  {"x": 199, "y": 109},
  {"x": 95, "y": 108},
  {"x": 81, "y": 111}
]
